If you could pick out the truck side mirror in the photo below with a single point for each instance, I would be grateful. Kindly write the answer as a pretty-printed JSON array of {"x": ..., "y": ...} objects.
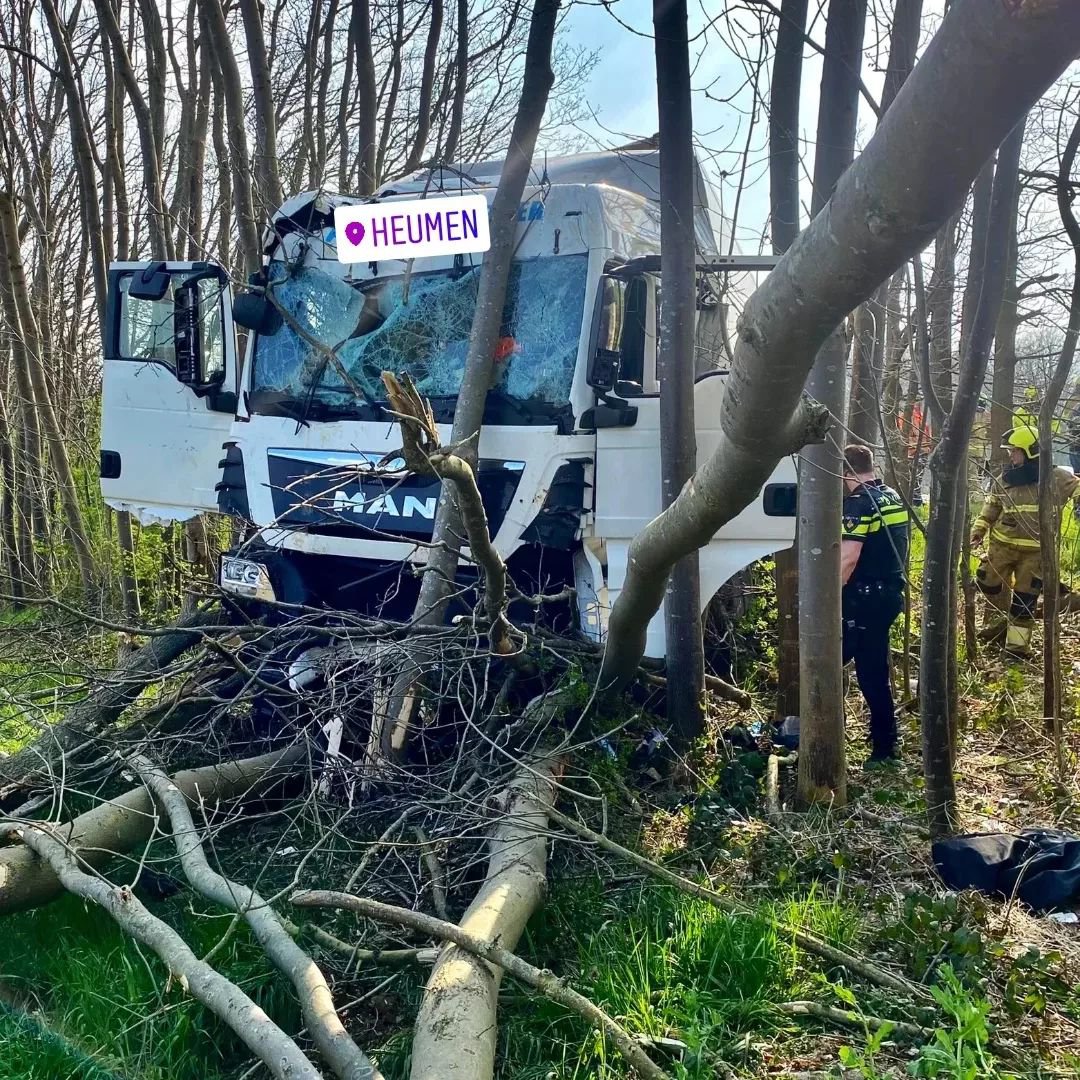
[
  {"x": 603, "y": 369},
  {"x": 150, "y": 283}
]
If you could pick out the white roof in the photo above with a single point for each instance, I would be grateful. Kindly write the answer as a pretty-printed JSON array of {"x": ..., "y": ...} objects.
[{"x": 637, "y": 171}]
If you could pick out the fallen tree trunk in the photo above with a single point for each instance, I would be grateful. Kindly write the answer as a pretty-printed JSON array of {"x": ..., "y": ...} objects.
[
  {"x": 104, "y": 706},
  {"x": 456, "y": 1028},
  {"x": 120, "y": 825},
  {"x": 282, "y": 1057},
  {"x": 544, "y": 981},
  {"x": 328, "y": 1033}
]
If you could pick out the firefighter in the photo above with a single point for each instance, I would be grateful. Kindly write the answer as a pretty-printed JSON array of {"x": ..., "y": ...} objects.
[
  {"x": 873, "y": 554},
  {"x": 1009, "y": 574}
]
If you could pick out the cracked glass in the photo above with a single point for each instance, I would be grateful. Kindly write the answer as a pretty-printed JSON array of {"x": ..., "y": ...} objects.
[{"x": 420, "y": 324}]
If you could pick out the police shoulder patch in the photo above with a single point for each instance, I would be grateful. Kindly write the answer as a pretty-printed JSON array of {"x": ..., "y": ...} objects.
[{"x": 850, "y": 523}]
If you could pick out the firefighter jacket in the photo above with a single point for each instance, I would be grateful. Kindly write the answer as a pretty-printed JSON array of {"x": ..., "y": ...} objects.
[{"x": 1011, "y": 511}]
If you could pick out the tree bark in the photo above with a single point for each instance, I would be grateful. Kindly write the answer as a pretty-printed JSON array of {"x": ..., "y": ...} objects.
[
  {"x": 427, "y": 86},
  {"x": 217, "y": 38},
  {"x": 461, "y": 82},
  {"x": 14, "y": 284},
  {"x": 822, "y": 758},
  {"x": 1049, "y": 522},
  {"x": 267, "y": 182},
  {"x": 784, "y": 172},
  {"x": 455, "y": 1029},
  {"x": 944, "y": 124},
  {"x": 119, "y": 826},
  {"x": 281, "y": 1056},
  {"x": 946, "y": 463},
  {"x": 316, "y": 1002},
  {"x": 366, "y": 138},
  {"x": 675, "y": 358}
]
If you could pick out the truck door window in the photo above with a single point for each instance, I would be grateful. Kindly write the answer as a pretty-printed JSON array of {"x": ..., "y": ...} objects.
[
  {"x": 147, "y": 331},
  {"x": 623, "y": 307},
  {"x": 146, "y": 327},
  {"x": 632, "y": 342}
]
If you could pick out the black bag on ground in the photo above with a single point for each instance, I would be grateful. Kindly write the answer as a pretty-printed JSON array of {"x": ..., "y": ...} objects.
[{"x": 1041, "y": 867}]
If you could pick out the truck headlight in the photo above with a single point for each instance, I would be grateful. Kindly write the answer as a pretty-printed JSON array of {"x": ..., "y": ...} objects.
[{"x": 243, "y": 577}]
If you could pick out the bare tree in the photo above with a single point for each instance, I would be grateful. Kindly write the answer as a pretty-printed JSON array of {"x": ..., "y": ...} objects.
[
  {"x": 947, "y": 462},
  {"x": 822, "y": 760},
  {"x": 784, "y": 170},
  {"x": 675, "y": 360}
]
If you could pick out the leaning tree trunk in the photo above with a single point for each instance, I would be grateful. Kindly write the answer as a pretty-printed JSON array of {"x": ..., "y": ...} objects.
[
  {"x": 944, "y": 124},
  {"x": 1049, "y": 525},
  {"x": 268, "y": 183},
  {"x": 441, "y": 568},
  {"x": 866, "y": 389},
  {"x": 822, "y": 761},
  {"x": 675, "y": 359},
  {"x": 784, "y": 175},
  {"x": 947, "y": 461}
]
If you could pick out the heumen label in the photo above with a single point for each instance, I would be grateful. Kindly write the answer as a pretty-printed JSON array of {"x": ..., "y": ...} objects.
[{"x": 412, "y": 229}]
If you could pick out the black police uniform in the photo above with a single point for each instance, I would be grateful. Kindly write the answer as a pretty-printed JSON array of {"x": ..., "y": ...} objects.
[{"x": 875, "y": 516}]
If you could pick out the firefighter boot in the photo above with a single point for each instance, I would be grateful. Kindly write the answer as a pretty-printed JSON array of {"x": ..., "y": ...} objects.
[
  {"x": 1018, "y": 640},
  {"x": 994, "y": 631}
]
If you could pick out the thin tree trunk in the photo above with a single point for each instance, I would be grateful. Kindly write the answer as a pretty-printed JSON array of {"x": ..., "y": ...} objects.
[
  {"x": 443, "y": 556},
  {"x": 366, "y": 142},
  {"x": 427, "y": 84},
  {"x": 268, "y": 184},
  {"x": 822, "y": 751},
  {"x": 946, "y": 463},
  {"x": 461, "y": 77},
  {"x": 157, "y": 210},
  {"x": 220, "y": 42},
  {"x": 675, "y": 360},
  {"x": 15, "y": 285},
  {"x": 1003, "y": 390},
  {"x": 784, "y": 174},
  {"x": 1049, "y": 523}
]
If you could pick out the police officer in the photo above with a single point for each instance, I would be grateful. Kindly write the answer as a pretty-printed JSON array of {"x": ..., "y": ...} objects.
[
  {"x": 1010, "y": 574},
  {"x": 873, "y": 553}
]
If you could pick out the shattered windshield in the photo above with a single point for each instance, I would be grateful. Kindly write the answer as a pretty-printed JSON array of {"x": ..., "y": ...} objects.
[{"x": 420, "y": 326}]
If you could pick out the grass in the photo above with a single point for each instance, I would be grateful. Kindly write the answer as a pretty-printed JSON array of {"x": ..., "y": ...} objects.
[{"x": 113, "y": 1002}]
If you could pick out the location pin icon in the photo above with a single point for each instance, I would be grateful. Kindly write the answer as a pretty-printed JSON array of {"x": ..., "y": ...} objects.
[{"x": 354, "y": 232}]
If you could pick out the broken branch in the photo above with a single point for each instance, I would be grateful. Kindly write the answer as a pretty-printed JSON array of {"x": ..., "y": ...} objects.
[{"x": 544, "y": 981}]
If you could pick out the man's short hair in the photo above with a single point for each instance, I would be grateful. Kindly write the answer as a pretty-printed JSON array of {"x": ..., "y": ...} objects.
[{"x": 858, "y": 459}]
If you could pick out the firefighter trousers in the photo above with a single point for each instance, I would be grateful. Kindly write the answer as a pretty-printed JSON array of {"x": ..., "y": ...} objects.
[{"x": 1010, "y": 579}]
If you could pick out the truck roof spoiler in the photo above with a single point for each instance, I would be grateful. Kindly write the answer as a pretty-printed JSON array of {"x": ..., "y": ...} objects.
[{"x": 724, "y": 264}]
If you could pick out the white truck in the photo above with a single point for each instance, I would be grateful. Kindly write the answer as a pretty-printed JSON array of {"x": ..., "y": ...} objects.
[{"x": 288, "y": 440}]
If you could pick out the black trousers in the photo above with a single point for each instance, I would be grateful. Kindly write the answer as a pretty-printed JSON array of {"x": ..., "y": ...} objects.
[{"x": 869, "y": 612}]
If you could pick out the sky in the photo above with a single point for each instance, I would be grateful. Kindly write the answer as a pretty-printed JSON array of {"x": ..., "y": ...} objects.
[{"x": 622, "y": 92}]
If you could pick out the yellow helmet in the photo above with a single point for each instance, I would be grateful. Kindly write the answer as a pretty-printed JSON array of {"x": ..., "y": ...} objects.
[
  {"x": 1030, "y": 394},
  {"x": 1022, "y": 438}
]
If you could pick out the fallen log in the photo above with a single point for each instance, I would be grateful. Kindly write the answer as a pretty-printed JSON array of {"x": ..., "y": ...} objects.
[
  {"x": 119, "y": 826},
  {"x": 455, "y": 1030},
  {"x": 544, "y": 981},
  {"x": 346, "y": 1059},
  {"x": 104, "y": 706},
  {"x": 282, "y": 1057}
]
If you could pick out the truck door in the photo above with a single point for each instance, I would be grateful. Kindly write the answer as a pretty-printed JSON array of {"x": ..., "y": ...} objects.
[{"x": 168, "y": 397}]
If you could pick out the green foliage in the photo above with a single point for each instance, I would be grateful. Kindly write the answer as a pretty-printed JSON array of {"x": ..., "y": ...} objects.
[
  {"x": 932, "y": 932},
  {"x": 116, "y": 1004},
  {"x": 666, "y": 965},
  {"x": 959, "y": 1052}
]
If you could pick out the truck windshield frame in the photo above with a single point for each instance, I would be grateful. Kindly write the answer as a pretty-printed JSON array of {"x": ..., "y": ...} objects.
[{"x": 419, "y": 323}]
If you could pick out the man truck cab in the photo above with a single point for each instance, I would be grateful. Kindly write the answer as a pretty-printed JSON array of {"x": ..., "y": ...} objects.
[{"x": 297, "y": 441}]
